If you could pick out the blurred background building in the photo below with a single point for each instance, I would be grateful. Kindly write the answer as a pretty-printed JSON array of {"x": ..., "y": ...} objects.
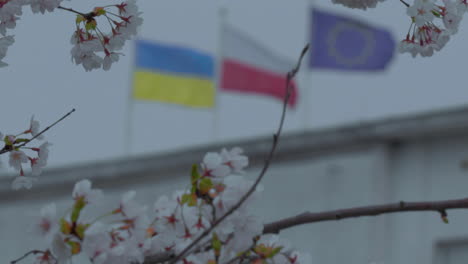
[
  {"x": 352, "y": 140},
  {"x": 411, "y": 158},
  {"x": 326, "y": 98}
]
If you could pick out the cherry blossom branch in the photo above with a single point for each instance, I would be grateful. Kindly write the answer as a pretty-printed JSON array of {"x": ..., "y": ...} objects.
[
  {"x": 440, "y": 207},
  {"x": 288, "y": 87},
  {"x": 8, "y": 148},
  {"x": 33, "y": 252}
]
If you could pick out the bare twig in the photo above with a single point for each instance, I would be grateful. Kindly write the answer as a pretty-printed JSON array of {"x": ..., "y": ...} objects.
[
  {"x": 5, "y": 149},
  {"x": 266, "y": 165},
  {"x": 403, "y": 2},
  {"x": 72, "y": 10},
  {"x": 439, "y": 207},
  {"x": 33, "y": 252}
]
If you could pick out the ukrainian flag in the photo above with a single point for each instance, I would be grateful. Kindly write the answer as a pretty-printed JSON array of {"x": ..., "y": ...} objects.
[{"x": 173, "y": 74}]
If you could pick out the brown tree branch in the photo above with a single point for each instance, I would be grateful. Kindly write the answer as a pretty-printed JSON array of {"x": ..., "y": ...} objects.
[
  {"x": 289, "y": 78},
  {"x": 159, "y": 258},
  {"x": 440, "y": 207}
]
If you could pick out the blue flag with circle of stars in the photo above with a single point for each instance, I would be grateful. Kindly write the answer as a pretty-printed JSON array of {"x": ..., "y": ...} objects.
[{"x": 342, "y": 43}]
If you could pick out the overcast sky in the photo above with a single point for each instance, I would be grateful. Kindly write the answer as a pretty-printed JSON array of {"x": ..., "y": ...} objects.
[{"x": 41, "y": 80}]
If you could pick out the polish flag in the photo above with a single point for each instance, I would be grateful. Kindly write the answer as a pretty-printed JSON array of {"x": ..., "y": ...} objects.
[{"x": 248, "y": 67}]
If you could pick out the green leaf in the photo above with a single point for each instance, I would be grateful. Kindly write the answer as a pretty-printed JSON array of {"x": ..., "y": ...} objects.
[
  {"x": 190, "y": 199},
  {"x": 80, "y": 229},
  {"x": 260, "y": 249},
  {"x": 75, "y": 247},
  {"x": 245, "y": 253},
  {"x": 65, "y": 227},
  {"x": 216, "y": 244},
  {"x": 193, "y": 201},
  {"x": 79, "y": 19},
  {"x": 91, "y": 25},
  {"x": 98, "y": 11},
  {"x": 19, "y": 140},
  {"x": 194, "y": 175},
  {"x": 274, "y": 252},
  {"x": 185, "y": 198},
  {"x": 80, "y": 203},
  {"x": 7, "y": 141},
  {"x": 205, "y": 185},
  {"x": 435, "y": 13},
  {"x": 445, "y": 219}
]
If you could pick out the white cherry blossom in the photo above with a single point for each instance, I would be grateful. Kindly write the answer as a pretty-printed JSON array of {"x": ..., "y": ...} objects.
[
  {"x": 129, "y": 235},
  {"x": 47, "y": 225},
  {"x": 22, "y": 182},
  {"x": 34, "y": 128},
  {"x": 17, "y": 157},
  {"x": 421, "y": 11},
  {"x": 213, "y": 166},
  {"x": 83, "y": 190},
  {"x": 96, "y": 243},
  {"x": 452, "y": 14},
  {"x": 44, "y": 5},
  {"x": 5, "y": 42},
  {"x": 462, "y": 5},
  {"x": 164, "y": 206},
  {"x": 426, "y": 36},
  {"x": 94, "y": 49},
  {"x": 109, "y": 59},
  {"x": 234, "y": 159},
  {"x": 60, "y": 249},
  {"x": 296, "y": 257}
]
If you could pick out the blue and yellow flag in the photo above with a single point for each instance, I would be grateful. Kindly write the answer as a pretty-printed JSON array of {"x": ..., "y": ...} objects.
[{"x": 173, "y": 74}]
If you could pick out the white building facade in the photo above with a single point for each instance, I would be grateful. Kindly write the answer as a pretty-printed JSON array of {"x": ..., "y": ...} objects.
[{"x": 416, "y": 158}]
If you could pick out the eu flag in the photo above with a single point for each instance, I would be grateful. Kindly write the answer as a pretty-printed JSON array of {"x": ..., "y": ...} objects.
[{"x": 342, "y": 43}]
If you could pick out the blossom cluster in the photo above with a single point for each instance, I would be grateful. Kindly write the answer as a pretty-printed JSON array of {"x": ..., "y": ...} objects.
[
  {"x": 10, "y": 12},
  {"x": 433, "y": 22},
  {"x": 425, "y": 34},
  {"x": 88, "y": 38},
  {"x": 15, "y": 145},
  {"x": 129, "y": 231}
]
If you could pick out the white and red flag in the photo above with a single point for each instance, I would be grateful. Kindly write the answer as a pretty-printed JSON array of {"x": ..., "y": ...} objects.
[{"x": 249, "y": 67}]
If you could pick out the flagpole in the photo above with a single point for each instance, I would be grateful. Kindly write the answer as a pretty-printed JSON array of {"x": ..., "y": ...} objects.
[
  {"x": 222, "y": 16},
  {"x": 306, "y": 90},
  {"x": 130, "y": 106}
]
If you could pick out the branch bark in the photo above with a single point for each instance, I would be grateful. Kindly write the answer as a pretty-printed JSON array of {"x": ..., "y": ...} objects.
[
  {"x": 440, "y": 207},
  {"x": 310, "y": 217}
]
